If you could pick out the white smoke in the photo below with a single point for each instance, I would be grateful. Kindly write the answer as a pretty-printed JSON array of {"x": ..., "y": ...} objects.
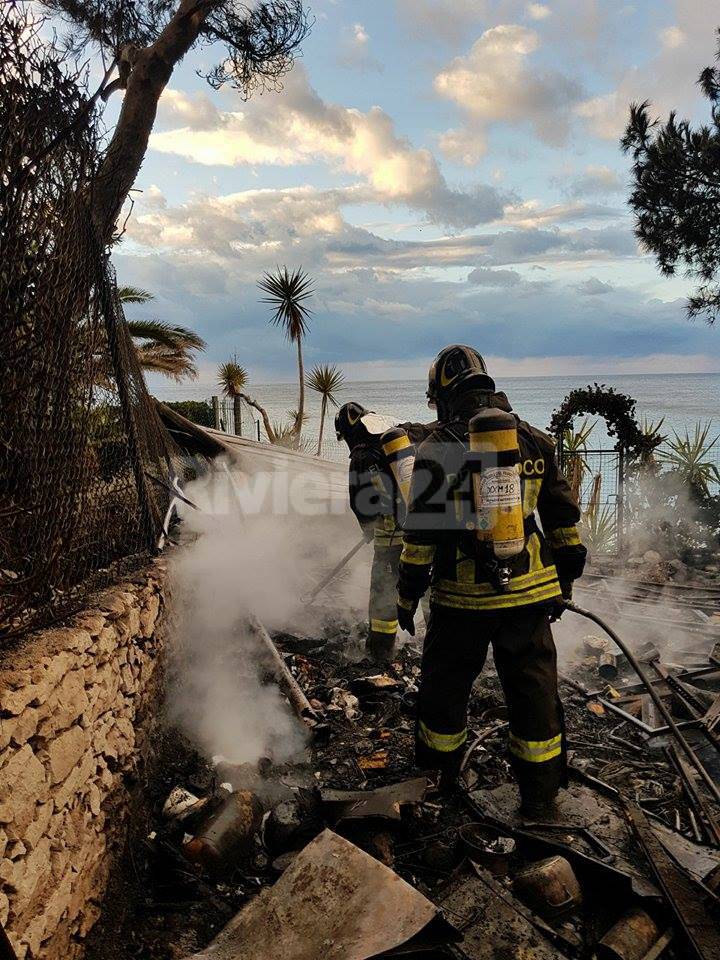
[{"x": 237, "y": 564}]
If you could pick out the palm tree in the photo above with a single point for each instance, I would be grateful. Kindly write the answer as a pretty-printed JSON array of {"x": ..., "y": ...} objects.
[
  {"x": 233, "y": 379},
  {"x": 689, "y": 456},
  {"x": 327, "y": 381},
  {"x": 161, "y": 347},
  {"x": 286, "y": 294}
]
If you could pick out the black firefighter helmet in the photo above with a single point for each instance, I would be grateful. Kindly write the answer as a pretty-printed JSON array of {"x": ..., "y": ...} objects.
[
  {"x": 456, "y": 368},
  {"x": 348, "y": 418}
]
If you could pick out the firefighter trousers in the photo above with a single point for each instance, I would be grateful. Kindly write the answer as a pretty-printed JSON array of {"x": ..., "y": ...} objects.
[
  {"x": 456, "y": 646},
  {"x": 383, "y": 600}
]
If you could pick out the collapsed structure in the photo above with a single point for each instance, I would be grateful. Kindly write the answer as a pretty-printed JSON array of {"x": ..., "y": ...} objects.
[{"x": 345, "y": 851}]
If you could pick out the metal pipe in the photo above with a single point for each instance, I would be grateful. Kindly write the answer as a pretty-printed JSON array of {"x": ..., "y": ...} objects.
[
  {"x": 654, "y": 696},
  {"x": 694, "y": 799},
  {"x": 308, "y": 598},
  {"x": 288, "y": 684},
  {"x": 646, "y": 729}
]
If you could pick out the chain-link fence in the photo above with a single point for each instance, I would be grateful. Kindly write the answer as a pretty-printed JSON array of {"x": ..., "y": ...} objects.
[{"x": 79, "y": 436}]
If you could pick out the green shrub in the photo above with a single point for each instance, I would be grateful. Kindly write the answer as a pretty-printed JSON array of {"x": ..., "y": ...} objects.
[{"x": 199, "y": 411}]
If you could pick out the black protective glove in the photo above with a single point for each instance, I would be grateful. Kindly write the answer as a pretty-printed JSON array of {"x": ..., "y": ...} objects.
[
  {"x": 559, "y": 606},
  {"x": 406, "y": 615}
]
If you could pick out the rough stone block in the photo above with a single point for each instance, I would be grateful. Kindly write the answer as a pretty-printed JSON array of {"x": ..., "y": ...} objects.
[
  {"x": 65, "y": 751},
  {"x": 75, "y": 782},
  {"x": 32, "y": 872},
  {"x": 21, "y": 786},
  {"x": 149, "y": 615},
  {"x": 92, "y": 620},
  {"x": 39, "y": 826},
  {"x": 66, "y": 704}
]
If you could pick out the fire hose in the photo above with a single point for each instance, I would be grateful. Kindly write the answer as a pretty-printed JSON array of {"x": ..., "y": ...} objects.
[
  {"x": 328, "y": 579},
  {"x": 654, "y": 696}
]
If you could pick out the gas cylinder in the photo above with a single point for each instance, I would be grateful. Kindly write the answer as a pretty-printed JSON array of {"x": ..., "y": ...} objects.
[
  {"x": 495, "y": 455},
  {"x": 399, "y": 451}
]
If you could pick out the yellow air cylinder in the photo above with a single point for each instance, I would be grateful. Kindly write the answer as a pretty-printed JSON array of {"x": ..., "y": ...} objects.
[
  {"x": 496, "y": 482},
  {"x": 399, "y": 451}
]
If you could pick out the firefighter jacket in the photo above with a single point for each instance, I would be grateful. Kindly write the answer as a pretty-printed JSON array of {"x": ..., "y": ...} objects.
[
  {"x": 441, "y": 550},
  {"x": 374, "y": 498}
]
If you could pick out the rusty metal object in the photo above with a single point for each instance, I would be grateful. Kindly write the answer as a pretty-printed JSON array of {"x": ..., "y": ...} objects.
[
  {"x": 487, "y": 847},
  {"x": 608, "y": 665},
  {"x": 288, "y": 684},
  {"x": 656, "y": 698},
  {"x": 630, "y": 938},
  {"x": 687, "y": 899},
  {"x": 228, "y": 833},
  {"x": 697, "y": 803},
  {"x": 333, "y": 901},
  {"x": 384, "y": 803},
  {"x": 548, "y": 886},
  {"x": 658, "y": 948}
]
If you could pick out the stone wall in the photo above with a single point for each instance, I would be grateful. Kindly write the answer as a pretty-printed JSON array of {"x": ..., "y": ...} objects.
[{"x": 76, "y": 706}]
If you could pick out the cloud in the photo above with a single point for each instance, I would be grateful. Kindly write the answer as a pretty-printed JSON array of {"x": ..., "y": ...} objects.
[
  {"x": 193, "y": 113},
  {"x": 595, "y": 180},
  {"x": 667, "y": 79},
  {"x": 486, "y": 277},
  {"x": 297, "y": 126},
  {"x": 538, "y": 11},
  {"x": 530, "y": 213},
  {"x": 593, "y": 287},
  {"x": 495, "y": 83},
  {"x": 355, "y": 50},
  {"x": 384, "y": 300},
  {"x": 444, "y": 20}
]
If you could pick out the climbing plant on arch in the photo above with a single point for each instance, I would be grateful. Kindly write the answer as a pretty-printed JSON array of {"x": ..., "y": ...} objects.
[{"x": 618, "y": 412}]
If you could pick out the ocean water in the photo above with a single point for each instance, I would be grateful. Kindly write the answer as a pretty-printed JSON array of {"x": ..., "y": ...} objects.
[{"x": 680, "y": 400}]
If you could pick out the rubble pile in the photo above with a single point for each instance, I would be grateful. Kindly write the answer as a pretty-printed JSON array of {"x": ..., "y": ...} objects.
[{"x": 354, "y": 853}]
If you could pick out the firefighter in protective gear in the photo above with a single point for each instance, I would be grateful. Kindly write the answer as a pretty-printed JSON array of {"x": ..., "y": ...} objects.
[
  {"x": 380, "y": 511},
  {"x": 471, "y": 605}
]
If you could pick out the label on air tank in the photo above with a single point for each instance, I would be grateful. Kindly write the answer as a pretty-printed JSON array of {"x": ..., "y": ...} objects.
[{"x": 500, "y": 488}]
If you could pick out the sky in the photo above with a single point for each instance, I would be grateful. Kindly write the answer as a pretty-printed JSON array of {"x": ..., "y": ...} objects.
[{"x": 446, "y": 171}]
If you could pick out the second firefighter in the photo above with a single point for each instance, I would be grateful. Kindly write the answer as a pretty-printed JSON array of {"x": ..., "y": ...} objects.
[{"x": 376, "y": 501}]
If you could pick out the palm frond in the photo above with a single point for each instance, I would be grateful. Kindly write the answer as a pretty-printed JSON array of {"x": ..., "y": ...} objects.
[
  {"x": 159, "y": 332},
  {"x": 688, "y": 456},
  {"x": 598, "y": 530},
  {"x": 159, "y": 358},
  {"x": 232, "y": 378},
  {"x": 286, "y": 294},
  {"x": 327, "y": 380},
  {"x": 295, "y": 418},
  {"x": 128, "y": 294}
]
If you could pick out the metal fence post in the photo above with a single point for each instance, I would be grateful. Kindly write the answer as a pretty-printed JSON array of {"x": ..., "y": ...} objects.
[{"x": 621, "y": 502}]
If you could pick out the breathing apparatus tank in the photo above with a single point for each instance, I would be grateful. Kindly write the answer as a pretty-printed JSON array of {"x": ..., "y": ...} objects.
[
  {"x": 495, "y": 466},
  {"x": 399, "y": 451}
]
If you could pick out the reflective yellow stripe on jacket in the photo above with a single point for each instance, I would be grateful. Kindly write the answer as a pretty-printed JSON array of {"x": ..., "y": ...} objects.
[
  {"x": 538, "y": 586},
  {"x": 387, "y": 532},
  {"x": 564, "y": 537},
  {"x": 417, "y": 554}
]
